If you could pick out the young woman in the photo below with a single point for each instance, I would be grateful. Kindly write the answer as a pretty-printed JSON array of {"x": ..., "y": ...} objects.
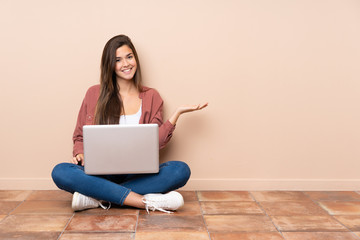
[{"x": 121, "y": 99}]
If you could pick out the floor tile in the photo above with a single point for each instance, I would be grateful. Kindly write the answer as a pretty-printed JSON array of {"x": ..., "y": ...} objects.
[
  {"x": 44, "y": 207},
  {"x": 333, "y": 196},
  {"x": 50, "y": 195},
  {"x": 170, "y": 223},
  {"x": 231, "y": 208},
  {"x": 224, "y": 196},
  {"x": 190, "y": 196},
  {"x": 30, "y": 235},
  {"x": 238, "y": 223},
  {"x": 307, "y": 223},
  {"x": 351, "y": 222},
  {"x": 190, "y": 208},
  {"x": 172, "y": 236},
  {"x": 246, "y": 236},
  {"x": 6, "y": 207},
  {"x": 292, "y": 208},
  {"x": 341, "y": 208},
  {"x": 94, "y": 223},
  {"x": 97, "y": 236},
  {"x": 111, "y": 211},
  {"x": 274, "y": 196},
  {"x": 43, "y": 214},
  {"x": 13, "y": 195},
  {"x": 319, "y": 236},
  {"x": 34, "y": 223}
]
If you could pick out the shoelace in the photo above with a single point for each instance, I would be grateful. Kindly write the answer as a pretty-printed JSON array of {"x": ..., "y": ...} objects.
[
  {"x": 153, "y": 207},
  {"x": 103, "y": 207}
]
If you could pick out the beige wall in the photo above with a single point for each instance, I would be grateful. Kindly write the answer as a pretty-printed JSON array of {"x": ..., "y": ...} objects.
[{"x": 282, "y": 79}]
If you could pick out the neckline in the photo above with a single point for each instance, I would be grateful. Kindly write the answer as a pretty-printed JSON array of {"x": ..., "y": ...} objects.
[{"x": 138, "y": 112}]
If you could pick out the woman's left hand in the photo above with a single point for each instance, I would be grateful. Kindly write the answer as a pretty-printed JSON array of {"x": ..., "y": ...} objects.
[
  {"x": 191, "y": 108},
  {"x": 185, "y": 109}
]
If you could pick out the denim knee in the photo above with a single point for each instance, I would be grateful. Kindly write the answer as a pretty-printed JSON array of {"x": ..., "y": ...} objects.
[
  {"x": 60, "y": 176},
  {"x": 180, "y": 172}
]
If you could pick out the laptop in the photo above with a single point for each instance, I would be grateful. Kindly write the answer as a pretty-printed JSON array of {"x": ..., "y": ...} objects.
[{"x": 121, "y": 149}]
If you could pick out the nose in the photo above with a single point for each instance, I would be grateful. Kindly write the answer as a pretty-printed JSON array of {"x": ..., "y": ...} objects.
[{"x": 126, "y": 63}]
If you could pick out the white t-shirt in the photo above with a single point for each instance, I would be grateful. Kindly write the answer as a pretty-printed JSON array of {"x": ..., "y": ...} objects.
[{"x": 131, "y": 119}]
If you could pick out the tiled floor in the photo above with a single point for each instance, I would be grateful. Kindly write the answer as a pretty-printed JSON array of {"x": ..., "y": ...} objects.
[{"x": 206, "y": 215}]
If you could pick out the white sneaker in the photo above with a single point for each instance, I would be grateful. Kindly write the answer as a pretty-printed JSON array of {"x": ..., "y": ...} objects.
[
  {"x": 163, "y": 202},
  {"x": 82, "y": 202}
]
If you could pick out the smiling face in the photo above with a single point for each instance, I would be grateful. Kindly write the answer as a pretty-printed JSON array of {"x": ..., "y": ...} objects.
[{"x": 126, "y": 65}]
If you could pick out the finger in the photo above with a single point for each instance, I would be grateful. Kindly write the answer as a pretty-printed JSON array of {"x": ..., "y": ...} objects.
[
  {"x": 204, "y": 105},
  {"x": 74, "y": 160},
  {"x": 196, "y": 107},
  {"x": 81, "y": 159}
]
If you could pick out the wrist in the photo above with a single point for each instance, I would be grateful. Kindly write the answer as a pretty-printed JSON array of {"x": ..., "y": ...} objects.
[{"x": 174, "y": 117}]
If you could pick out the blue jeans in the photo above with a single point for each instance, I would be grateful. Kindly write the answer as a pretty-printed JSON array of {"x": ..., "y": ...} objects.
[{"x": 115, "y": 188}]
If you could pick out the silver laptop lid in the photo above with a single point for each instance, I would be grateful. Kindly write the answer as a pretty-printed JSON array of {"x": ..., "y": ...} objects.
[{"x": 121, "y": 149}]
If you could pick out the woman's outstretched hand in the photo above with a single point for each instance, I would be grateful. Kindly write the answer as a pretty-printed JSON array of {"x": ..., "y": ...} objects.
[
  {"x": 191, "y": 108},
  {"x": 78, "y": 159},
  {"x": 185, "y": 109}
]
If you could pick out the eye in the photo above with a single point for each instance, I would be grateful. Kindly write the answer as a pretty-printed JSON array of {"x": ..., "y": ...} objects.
[{"x": 130, "y": 57}]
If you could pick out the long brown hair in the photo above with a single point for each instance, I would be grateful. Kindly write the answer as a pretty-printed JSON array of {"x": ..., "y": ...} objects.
[{"x": 109, "y": 105}]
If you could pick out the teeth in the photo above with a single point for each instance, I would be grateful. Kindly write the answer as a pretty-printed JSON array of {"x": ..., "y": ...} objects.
[{"x": 126, "y": 70}]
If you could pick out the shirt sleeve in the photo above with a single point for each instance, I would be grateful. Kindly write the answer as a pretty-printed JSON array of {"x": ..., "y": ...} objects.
[
  {"x": 78, "y": 132},
  {"x": 166, "y": 129},
  {"x": 85, "y": 117}
]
